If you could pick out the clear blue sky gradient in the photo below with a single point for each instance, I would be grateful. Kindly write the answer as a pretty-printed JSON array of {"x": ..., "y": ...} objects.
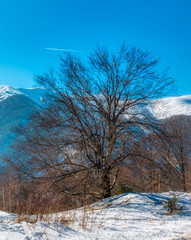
[{"x": 27, "y": 28}]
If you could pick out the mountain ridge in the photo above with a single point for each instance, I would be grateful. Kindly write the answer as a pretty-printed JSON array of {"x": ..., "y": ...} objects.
[{"x": 16, "y": 105}]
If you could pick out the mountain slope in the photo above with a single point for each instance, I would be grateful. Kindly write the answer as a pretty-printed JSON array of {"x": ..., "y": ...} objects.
[
  {"x": 15, "y": 108},
  {"x": 34, "y": 93}
]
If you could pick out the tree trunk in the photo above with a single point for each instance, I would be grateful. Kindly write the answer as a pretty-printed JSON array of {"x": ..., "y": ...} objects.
[
  {"x": 182, "y": 168},
  {"x": 105, "y": 184},
  {"x": 184, "y": 182},
  {"x": 158, "y": 181}
]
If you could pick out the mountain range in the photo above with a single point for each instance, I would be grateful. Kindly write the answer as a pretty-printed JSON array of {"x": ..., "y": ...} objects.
[{"x": 16, "y": 105}]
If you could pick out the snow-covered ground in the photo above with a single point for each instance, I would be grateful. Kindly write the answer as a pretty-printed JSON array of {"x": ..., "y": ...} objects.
[{"x": 128, "y": 216}]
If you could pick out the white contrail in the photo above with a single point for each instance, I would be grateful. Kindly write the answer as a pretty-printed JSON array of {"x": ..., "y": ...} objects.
[{"x": 62, "y": 49}]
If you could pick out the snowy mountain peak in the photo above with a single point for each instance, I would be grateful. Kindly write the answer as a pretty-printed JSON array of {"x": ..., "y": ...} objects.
[
  {"x": 170, "y": 106},
  {"x": 35, "y": 94},
  {"x": 7, "y": 91}
]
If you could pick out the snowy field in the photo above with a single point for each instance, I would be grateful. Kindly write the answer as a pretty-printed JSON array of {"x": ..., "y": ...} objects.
[{"x": 128, "y": 216}]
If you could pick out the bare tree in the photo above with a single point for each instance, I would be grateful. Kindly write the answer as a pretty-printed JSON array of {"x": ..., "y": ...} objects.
[
  {"x": 155, "y": 164},
  {"x": 94, "y": 115},
  {"x": 170, "y": 152},
  {"x": 179, "y": 130}
]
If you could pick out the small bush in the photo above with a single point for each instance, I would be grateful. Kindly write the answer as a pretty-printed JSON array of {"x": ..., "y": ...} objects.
[
  {"x": 172, "y": 206},
  {"x": 123, "y": 188}
]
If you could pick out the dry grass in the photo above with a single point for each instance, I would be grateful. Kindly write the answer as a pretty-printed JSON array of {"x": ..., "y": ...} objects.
[
  {"x": 86, "y": 218},
  {"x": 27, "y": 219}
]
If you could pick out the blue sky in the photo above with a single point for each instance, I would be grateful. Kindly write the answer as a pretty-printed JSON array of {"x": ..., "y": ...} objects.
[{"x": 27, "y": 28}]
